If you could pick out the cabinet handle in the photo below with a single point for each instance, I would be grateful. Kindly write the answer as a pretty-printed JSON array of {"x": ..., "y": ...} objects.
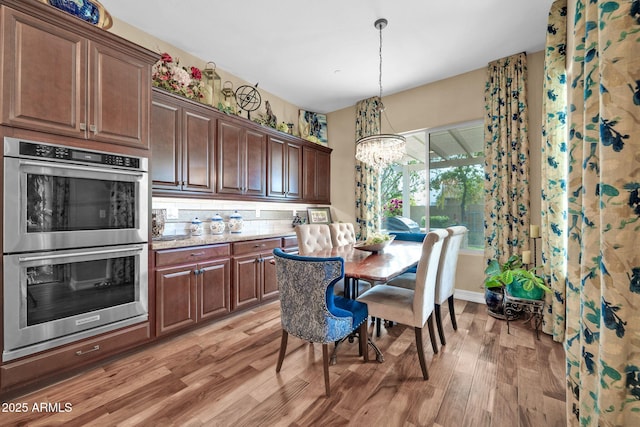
[
  {"x": 259, "y": 246},
  {"x": 93, "y": 128},
  {"x": 197, "y": 254},
  {"x": 91, "y": 350},
  {"x": 83, "y": 126}
]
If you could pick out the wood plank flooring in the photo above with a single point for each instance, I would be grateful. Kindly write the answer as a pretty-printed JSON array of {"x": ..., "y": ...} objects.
[{"x": 223, "y": 374}]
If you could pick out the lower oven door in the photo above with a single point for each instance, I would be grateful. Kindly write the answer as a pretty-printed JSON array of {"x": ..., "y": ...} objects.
[{"x": 54, "y": 298}]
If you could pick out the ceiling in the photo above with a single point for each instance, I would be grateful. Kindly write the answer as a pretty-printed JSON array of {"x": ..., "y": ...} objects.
[{"x": 323, "y": 55}]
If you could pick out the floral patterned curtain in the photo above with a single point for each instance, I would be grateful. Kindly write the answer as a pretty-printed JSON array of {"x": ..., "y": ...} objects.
[
  {"x": 554, "y": 170},
  {"x": 602, "y": 340},
  {"x": 367, "y": 185},
  {"x": 506, "y": 153}
]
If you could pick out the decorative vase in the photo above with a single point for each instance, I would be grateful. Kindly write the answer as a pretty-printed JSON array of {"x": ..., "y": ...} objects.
[
  {"x": 493, "y": 297},
  {"x": 196, "y": 227},
  {"x": 217, "y": 225},
  {"x": 235, "y": 222}
]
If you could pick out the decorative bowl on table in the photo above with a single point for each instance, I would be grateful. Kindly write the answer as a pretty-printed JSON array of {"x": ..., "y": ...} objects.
[{"x": 374, "y": 245}]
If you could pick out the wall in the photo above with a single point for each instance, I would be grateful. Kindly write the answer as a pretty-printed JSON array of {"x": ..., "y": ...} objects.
[{"x": 454, "y": 100}]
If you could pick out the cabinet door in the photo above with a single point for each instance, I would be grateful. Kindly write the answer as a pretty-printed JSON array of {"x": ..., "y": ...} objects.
[
  {"x": 294, "y": 171},
  {"x": 43, "y": 76},
  {"x": 323, "y": 177},
  {"x": 246, "y": 281},
  {"x": 255, "y": 163},
  {"x": 175, "y": 298},
  {"x": 317, "y": 175},
  {"x": 166, "y": 147},
  {"x": 269, "y": 281},
  {"x": 215, "y": 286},
  {"x": 230, "y": 158},
  {"x": 119, "y": 97},
  {"x": 276, "y": 182},
  {"x": 198, "y": 141},
  {"x": 285, "y": 169}
]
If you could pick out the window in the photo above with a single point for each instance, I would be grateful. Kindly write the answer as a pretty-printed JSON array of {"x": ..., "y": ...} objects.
[{"x": 453, "y": 194}]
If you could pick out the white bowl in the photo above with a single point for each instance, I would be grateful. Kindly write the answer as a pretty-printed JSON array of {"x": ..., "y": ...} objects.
[{"x": 375, "y": 247}]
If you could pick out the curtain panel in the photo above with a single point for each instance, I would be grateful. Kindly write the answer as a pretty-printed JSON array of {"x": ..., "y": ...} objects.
[
  {"x": 368, "y": 119},
  {"x": 506, "y": 153},
  {"x": 603, "y": 254},
  {"x": 554, "y": 171}
]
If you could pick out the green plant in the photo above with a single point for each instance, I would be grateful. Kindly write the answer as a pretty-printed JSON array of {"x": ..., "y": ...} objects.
[{"x": 498, "y": 275}]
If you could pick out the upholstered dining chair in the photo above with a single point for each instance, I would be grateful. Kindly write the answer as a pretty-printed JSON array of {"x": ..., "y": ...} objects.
[
  {"x": 411, "y": 307},
  {"x": 342, "y": 234},
  {"x": 446, "y": 280},
  {"x": 313, "y": 237},
  {"x": 309, "y": 309},
  {"x": 409, "y": 237}
]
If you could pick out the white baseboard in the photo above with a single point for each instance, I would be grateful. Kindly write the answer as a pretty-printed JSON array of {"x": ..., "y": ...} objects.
[{"x": 469, "y": 296}]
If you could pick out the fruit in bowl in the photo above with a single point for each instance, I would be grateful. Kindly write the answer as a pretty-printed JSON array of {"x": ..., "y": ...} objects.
[{"x": 375, "y": 242}]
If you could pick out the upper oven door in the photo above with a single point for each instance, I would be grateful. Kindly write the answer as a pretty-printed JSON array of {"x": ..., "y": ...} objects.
[{"x": 50, "y": 205}]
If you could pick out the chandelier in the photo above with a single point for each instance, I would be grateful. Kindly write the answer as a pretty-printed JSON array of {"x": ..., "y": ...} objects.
[{"x": 380, "y": 150}]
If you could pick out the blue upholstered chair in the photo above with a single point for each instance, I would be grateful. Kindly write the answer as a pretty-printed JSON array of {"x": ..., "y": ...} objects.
[{"x": 310, "y": 310}]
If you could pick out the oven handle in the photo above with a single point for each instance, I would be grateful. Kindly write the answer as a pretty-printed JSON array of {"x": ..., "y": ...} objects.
[
  {"x": 79, "y": 168},
  {"x": 69, "y": 255}
]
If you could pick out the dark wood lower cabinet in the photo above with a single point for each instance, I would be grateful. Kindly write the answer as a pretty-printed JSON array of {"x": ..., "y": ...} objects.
[
  {"x": 254, "y": 277},
  {"x": 187, "y": 293}
]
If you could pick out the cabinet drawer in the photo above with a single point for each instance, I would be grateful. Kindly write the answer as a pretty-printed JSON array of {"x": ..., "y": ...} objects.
[
  {"x": 290, "y": 242},
  {"x": 193, "y": 254},
  {"x": 256, "y": 246},
  {"x": 71, "y": 356}
]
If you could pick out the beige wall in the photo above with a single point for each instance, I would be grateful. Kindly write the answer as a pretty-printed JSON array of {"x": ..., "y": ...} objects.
[{"x": 454, "y": 100}]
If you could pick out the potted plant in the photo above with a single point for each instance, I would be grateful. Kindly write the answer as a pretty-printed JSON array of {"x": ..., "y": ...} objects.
[{"x": 519, "y": 281}]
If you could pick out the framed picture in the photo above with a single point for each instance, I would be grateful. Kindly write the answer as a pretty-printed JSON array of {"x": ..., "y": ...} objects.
[
  {"x": 313, "y": 127},
  {"x": 319, "y": 215}
]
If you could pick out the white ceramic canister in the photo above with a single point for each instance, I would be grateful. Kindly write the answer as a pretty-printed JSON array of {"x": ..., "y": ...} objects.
[
  {"x": 217, "y": 224},
  {"x": 235, "y": 222},
  {"x": 196, "y": 227}
]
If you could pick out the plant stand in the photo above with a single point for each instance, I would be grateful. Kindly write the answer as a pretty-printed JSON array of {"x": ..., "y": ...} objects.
[{"x": 531, "y": 308}]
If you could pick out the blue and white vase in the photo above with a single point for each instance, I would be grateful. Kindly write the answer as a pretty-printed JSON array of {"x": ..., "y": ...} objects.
[
  {"x": 217, "y": 224},
  {"x": 235, "y": 222}
]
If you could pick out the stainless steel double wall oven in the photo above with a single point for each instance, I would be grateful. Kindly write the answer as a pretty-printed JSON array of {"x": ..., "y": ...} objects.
[{"x": 75, "y": 244}]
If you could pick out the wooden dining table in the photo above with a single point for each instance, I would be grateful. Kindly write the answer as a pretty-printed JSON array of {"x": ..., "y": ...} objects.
[{"x": 374, "y": 267}]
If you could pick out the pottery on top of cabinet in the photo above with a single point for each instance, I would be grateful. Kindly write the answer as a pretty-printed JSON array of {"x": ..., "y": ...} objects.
[
  {"x": 217, "y": 224},
  {"x": 196, "y": 227},
  {"x": 235, "y": 222}
]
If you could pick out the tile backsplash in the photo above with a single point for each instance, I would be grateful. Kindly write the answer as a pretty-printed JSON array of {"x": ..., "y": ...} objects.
[{"x": 257, "y": 216}]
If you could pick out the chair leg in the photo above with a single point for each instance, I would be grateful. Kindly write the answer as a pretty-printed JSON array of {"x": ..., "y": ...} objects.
[
  {"x": 364, "y": 348},
  {"x": 420, "y": 347},
  {"x": 378, "y": 322},
  {"x": 283, "y": 349},
  {"x": 432, "y": 334},
  {"x": 325, "y": 364},
  {"x": 439, "y": 324},
  {"x": 452, "y": 312}
]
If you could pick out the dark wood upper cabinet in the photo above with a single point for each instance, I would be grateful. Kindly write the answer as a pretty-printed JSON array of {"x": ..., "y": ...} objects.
[
  {"x": 65, "y": 78},
  {"x": 316, "y": 183},
  {"x": 241, "y": 167},
  {"x": 182, "y": 145},
  {"x": 285, "y": 169}
]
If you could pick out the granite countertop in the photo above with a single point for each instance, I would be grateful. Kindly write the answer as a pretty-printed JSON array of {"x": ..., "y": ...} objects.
[{"x": 185, "y": 240}]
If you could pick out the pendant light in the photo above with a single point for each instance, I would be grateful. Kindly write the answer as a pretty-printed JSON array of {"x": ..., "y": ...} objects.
[{"x": 379, "y": 151}]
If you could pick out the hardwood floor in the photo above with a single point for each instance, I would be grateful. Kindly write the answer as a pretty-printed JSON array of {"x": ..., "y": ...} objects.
[{"x": 224, "y": 374}]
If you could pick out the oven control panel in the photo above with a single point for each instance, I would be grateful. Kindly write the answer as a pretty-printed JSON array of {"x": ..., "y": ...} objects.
[{"x": 57, "y": 152}]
